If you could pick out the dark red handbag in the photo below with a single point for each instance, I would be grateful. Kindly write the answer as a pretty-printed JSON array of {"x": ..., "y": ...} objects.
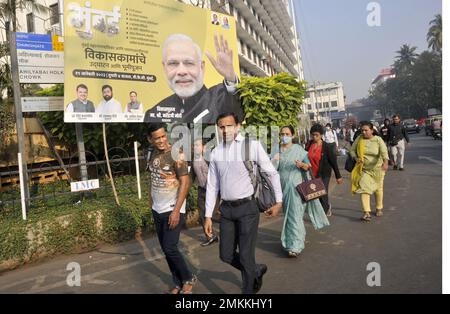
[{"x": 311, "y": 189}]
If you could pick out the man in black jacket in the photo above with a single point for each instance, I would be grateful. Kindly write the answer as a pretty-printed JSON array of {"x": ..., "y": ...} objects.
[
  {"x": 396, "y": 141},
  {"x": 192, "y": 101}
]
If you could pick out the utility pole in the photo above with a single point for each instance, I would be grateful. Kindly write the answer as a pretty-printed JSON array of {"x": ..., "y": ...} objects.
[
  {"x": 78, "y": 126},
  {"x": 315, "y": 102},
  {"x": 19, "y": 115},
  {"x": 270, "y": 65}
]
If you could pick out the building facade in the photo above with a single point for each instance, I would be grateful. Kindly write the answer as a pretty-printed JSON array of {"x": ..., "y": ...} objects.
[
  {"x": 43, "y": 19},
  {"x": 267, "y": 37},
  {"x": 384, "y": 75},
  {"x": 325, "y": 102}
]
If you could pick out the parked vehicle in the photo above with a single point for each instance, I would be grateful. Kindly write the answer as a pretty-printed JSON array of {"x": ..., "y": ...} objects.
[{"x": 411, "y": 126}]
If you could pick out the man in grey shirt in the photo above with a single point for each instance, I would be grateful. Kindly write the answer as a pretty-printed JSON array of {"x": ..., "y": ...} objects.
[
  {"x": 81, "y": 104},
  {"x": 239, "y": 211},
  {"x": 200, "y": 173}
]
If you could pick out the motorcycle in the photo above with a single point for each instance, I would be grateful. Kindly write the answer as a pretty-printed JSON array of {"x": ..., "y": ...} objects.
[{"x": 437, "y": 134}]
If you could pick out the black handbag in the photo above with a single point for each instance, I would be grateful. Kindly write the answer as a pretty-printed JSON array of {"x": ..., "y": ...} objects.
[{"x": 350, "y": 163}]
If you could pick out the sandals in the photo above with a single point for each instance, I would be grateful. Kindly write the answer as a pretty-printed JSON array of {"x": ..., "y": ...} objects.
[
  {"x": 190, "y": 283},
  {"x": 174, "y": 290},
  {"x": 293, "y": 254},
  {"x": 366, "y": 217},
  {"x": 379, "y": 213}
]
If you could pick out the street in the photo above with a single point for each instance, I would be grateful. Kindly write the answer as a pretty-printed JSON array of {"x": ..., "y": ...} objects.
[{"x": 406, "y": 243}]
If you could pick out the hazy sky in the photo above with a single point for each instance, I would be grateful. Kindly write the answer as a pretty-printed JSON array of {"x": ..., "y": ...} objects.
[{"x": 338, "y": 45}]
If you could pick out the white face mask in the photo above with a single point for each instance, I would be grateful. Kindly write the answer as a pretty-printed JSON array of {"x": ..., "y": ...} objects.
[{"x": 286, "y": 140}]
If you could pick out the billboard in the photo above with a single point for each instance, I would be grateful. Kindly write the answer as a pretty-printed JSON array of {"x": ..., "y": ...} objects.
[{"x": 159, "y": 61}]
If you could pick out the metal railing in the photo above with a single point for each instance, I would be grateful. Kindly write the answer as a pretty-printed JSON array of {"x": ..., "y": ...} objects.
[{"x": 49, "y": 184}]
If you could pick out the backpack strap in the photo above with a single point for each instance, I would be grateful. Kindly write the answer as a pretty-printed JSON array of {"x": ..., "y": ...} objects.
[{"x": 249, "y": 165}]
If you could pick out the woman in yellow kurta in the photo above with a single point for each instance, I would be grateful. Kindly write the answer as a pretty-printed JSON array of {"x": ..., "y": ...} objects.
[{"x": 372, "y": 158}]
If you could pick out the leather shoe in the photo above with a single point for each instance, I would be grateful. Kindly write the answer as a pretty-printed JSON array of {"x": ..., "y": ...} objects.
[{"x": 259, "y": 279}]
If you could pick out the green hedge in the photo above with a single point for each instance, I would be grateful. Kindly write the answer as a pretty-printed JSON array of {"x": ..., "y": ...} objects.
[{"x": 76, "y": 227}]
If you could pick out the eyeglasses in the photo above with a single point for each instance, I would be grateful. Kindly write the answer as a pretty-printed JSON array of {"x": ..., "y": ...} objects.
[{"x": 173, "y": 64}]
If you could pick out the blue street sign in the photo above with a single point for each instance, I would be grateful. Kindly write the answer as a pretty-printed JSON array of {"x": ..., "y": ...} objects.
[
  {"x": 42, "y": 38},
  {"x": 38, "y": 42}
]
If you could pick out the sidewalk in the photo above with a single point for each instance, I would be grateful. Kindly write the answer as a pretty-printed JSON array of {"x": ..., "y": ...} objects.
[{"x": 406, "y": 243}]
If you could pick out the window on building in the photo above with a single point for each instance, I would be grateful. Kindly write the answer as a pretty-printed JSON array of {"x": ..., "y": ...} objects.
[
  {"x": 334, "y": 104},
  {"x": 309, "y": 107},
  {"x": 243, "y": 48},
  {"x": 54, "y": 11},
  {"x": 231, "y": 9},
  {"x": 30, "y": 23}
]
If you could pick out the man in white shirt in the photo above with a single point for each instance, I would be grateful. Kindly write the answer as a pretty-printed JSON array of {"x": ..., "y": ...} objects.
[
  {"x": 239, "y": 212},
  {"x": 330, "y": 136},
  {"x": 108, "y": 105}
]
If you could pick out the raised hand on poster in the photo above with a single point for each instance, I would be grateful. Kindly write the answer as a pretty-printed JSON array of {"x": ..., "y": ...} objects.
[{"x": 224, "y": 61}]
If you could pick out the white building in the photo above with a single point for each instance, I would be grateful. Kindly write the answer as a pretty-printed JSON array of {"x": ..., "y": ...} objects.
[
  {"x": 45, "y": 21},
  {"x": 384, "y": 75},
  {"x": 324, "y": 102},
  {"x": 267, "y": 36}
]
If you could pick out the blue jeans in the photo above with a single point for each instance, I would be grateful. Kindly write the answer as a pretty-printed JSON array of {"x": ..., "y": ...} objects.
[{"x": 168, "y": 239}]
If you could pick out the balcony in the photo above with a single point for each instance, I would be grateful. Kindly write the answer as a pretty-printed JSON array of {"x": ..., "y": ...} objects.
[{"x": 244, "y": 61}]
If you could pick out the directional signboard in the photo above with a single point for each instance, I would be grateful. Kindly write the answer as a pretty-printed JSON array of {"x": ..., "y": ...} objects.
[
  {"x": 42, "y": 104},
  {"x": 41, "y": 58}
]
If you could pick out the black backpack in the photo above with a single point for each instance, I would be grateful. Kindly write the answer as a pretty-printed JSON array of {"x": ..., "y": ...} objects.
[{"x": 264, "y": 192}]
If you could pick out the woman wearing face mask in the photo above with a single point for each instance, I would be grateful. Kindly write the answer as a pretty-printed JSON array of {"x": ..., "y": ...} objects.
[
  {"x": 291, "y": 162},
  {"x": 323, "y": 160},
  {"x": 372, "y": 158}
]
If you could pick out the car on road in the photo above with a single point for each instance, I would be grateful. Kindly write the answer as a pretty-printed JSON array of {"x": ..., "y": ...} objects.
[{"x": 411, "y": 126}]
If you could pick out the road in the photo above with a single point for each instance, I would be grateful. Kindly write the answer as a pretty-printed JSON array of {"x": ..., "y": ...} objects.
[{"x": 406, "y": 243}]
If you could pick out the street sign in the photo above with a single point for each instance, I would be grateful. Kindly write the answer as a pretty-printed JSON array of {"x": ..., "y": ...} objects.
[
  {"x": 42, "y": 104},
  {"x": 41, "y": 58},
  {"x": 338, "y": 115},
  {"x": 84, "y": 185},
  {"x": 38, "y": 42}
]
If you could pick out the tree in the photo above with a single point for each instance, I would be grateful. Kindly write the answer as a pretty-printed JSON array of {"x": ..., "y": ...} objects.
[
  {"x": 5, "y": 71},
  {"x": 272, "y": 101},
  {"x": 8, "y": 18},
  {"x": 413, "y": 94},
  {"x": 9, "y": 9},
  {"x": 405, "y": 59},
  {"x": 434, "y": 36},
  {"x": 378, "y": 99},
  {"x": 427, "y": 81}
]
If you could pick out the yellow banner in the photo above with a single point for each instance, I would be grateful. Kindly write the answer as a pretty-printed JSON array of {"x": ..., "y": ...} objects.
[{"x": 129, "y": 60}]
